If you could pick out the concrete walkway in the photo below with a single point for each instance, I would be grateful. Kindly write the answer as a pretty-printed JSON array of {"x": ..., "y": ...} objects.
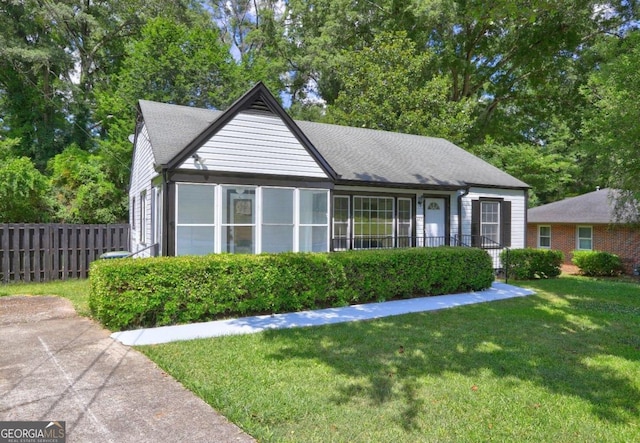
[
  {"x": 56, "y": 366},
  {"x": 248, "y": 325}
]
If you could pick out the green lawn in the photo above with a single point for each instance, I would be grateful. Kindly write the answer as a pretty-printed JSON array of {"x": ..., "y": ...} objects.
[
  {"x": 560, "y": 366},
  {"x": 75, "y": 290},
  {"x": 563, "y": 365}
]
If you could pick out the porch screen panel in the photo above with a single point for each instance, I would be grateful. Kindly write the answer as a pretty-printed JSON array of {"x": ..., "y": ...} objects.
[
  {"x": 373, "y": 222},
  {"x": 340, "y": 222},
  {"x": 238, "y": 219},
  {"x": 405, "y": 220},
  {"x": 277, "y": 220},
  {"x": 314, "y": 220},
  {"x": 195, "y": 214}
]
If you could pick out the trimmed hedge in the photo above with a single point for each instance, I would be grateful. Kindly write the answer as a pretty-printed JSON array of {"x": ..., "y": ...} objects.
[
  {"x": 530, "y": 263},
  {"x": 132, "y": 293},
  {"x": 597, "y": 263}
]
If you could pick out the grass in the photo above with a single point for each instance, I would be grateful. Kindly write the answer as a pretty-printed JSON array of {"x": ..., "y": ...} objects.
[
  {"x": 77, "y": 291},
  {"x": 563, "y": 365}
]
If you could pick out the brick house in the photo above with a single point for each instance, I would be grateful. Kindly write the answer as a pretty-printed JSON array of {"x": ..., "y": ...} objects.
[{"x": 585, "y": 222}]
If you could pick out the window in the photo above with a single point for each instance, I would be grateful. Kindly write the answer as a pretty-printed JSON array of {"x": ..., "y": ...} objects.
[
  {"x": 277, "y": 220},
  {"x": 133, "y": 213},
  {"x": 314, "y": 220},
  {"x": 585, "y": 237},
  {"x": 373, "y": 222},
  {"x": 143, "y": 217},
  {"x": 490, "y": 222},
  {"x": 544, "y": 236},
  {"x": 195, "y": 214},
  {"x": 405, "y": 223},
  {"x": 341, "y": 232}
]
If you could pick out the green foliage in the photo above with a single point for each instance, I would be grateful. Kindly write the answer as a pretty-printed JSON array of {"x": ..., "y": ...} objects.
[
  {"x": 168, "y": 290},
  {"x": 529, "y": 263},
  {"x": 597, "y": 263},
  {"x": 547, "y": 172},
  {"x": 612, "y": 133},
  {"x": 24, "y": 191},
  {"x": 390, "y": 85},
  {"x": 83, "y": 190}
]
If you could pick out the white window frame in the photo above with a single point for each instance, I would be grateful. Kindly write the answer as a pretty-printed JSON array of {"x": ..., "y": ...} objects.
[
  {"x": 404, "y": 223},
  {"x": 262, "y": 223},
  {"x": 540, "y": 236},
  {"x": 214, "y": 225},
  {"x": 347, "y": 238},
  {"x": 143, "y": 217},
  {"x": 299, "y": 224},
  {"x": 391, "y": 223},
  {"x": 496, "y": 223},
  {"x": 578, "y": 238}
]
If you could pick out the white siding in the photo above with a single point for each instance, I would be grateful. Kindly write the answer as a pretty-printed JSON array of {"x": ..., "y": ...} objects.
[
  {"x": 142, "y": 173},
  {"x": 257, "y": 144}
]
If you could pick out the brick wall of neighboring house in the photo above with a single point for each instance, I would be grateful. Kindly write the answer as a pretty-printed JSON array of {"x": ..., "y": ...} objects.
[{"x": 620, "y": 240}]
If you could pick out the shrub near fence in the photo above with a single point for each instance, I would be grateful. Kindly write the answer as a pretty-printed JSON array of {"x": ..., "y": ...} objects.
[
  {"x": 44, "y": 252},
  {"x": 128, "y": 294}
]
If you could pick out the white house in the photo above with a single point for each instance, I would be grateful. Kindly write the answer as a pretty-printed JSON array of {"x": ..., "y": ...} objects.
[{"x": 250, "y": 179}]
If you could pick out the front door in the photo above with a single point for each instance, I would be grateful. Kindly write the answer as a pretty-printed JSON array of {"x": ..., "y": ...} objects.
[{"x": 434, "y": 222}]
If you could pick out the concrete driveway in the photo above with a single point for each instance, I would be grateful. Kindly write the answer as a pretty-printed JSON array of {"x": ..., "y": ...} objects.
[{"x": 56, "y": 366}]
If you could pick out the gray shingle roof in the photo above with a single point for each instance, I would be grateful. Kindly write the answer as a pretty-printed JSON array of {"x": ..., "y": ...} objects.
[
  {"x": 356, "y": 154},
  {"x": 369, "y": 155},
  {"x": 172, "y": 127},
  {"x": 595, "y": 207}
]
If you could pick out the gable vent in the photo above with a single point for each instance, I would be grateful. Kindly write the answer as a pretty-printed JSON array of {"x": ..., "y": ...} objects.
[{"x": 260, "y": 106}]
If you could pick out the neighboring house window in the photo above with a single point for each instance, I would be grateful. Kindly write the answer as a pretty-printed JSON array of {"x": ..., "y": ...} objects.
[
  {"x": 490, "y": 223},
  {"x": 133, "y": 213},
  {"x": 585, "y": 237},
  {"x": 314, "y": 220},
  {"x": 341, "y": 234},
  {"x": 373, "y": 222},
  {"x": 195, "y": 216},
  {"x": 544, "y": 236},
  {"x": 277, "y": 219},
  {"x": 143, "y": 217},
  {"x": 405, "y": 223}
]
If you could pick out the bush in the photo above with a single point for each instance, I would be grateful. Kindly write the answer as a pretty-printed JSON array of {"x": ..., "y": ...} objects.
[
  {"x": 529, "y": 263},
  {"x": 171, "y": 290},
  {"x": 597, "y": 263}
]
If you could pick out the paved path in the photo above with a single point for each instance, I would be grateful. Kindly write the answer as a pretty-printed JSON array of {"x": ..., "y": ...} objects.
[
  {"x": 247, "y": 325},
  {"x": 56, "y": 366}
]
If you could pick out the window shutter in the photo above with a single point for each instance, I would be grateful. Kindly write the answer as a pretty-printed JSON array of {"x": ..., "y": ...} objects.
[
  {"x": 505, "y": 223},
  {"x": 475, "y": 223}
]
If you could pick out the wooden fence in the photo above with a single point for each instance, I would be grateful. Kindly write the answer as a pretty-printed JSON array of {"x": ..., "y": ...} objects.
[{"x": 45, "y": 252}]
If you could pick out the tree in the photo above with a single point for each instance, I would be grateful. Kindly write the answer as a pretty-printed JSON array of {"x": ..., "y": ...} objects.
[
  {"x": 23, "y": 189},
  {"x": 501, "y": 54},
  {"x": 611, "y": 129},
  {"x": 547, "y": 172},
  {"x": 83, "y": 190},
  {"x": 391, "y": 86}
]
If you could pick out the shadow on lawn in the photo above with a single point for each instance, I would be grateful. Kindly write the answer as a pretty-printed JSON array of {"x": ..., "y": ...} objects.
[{"x": 552, "y": 341}]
